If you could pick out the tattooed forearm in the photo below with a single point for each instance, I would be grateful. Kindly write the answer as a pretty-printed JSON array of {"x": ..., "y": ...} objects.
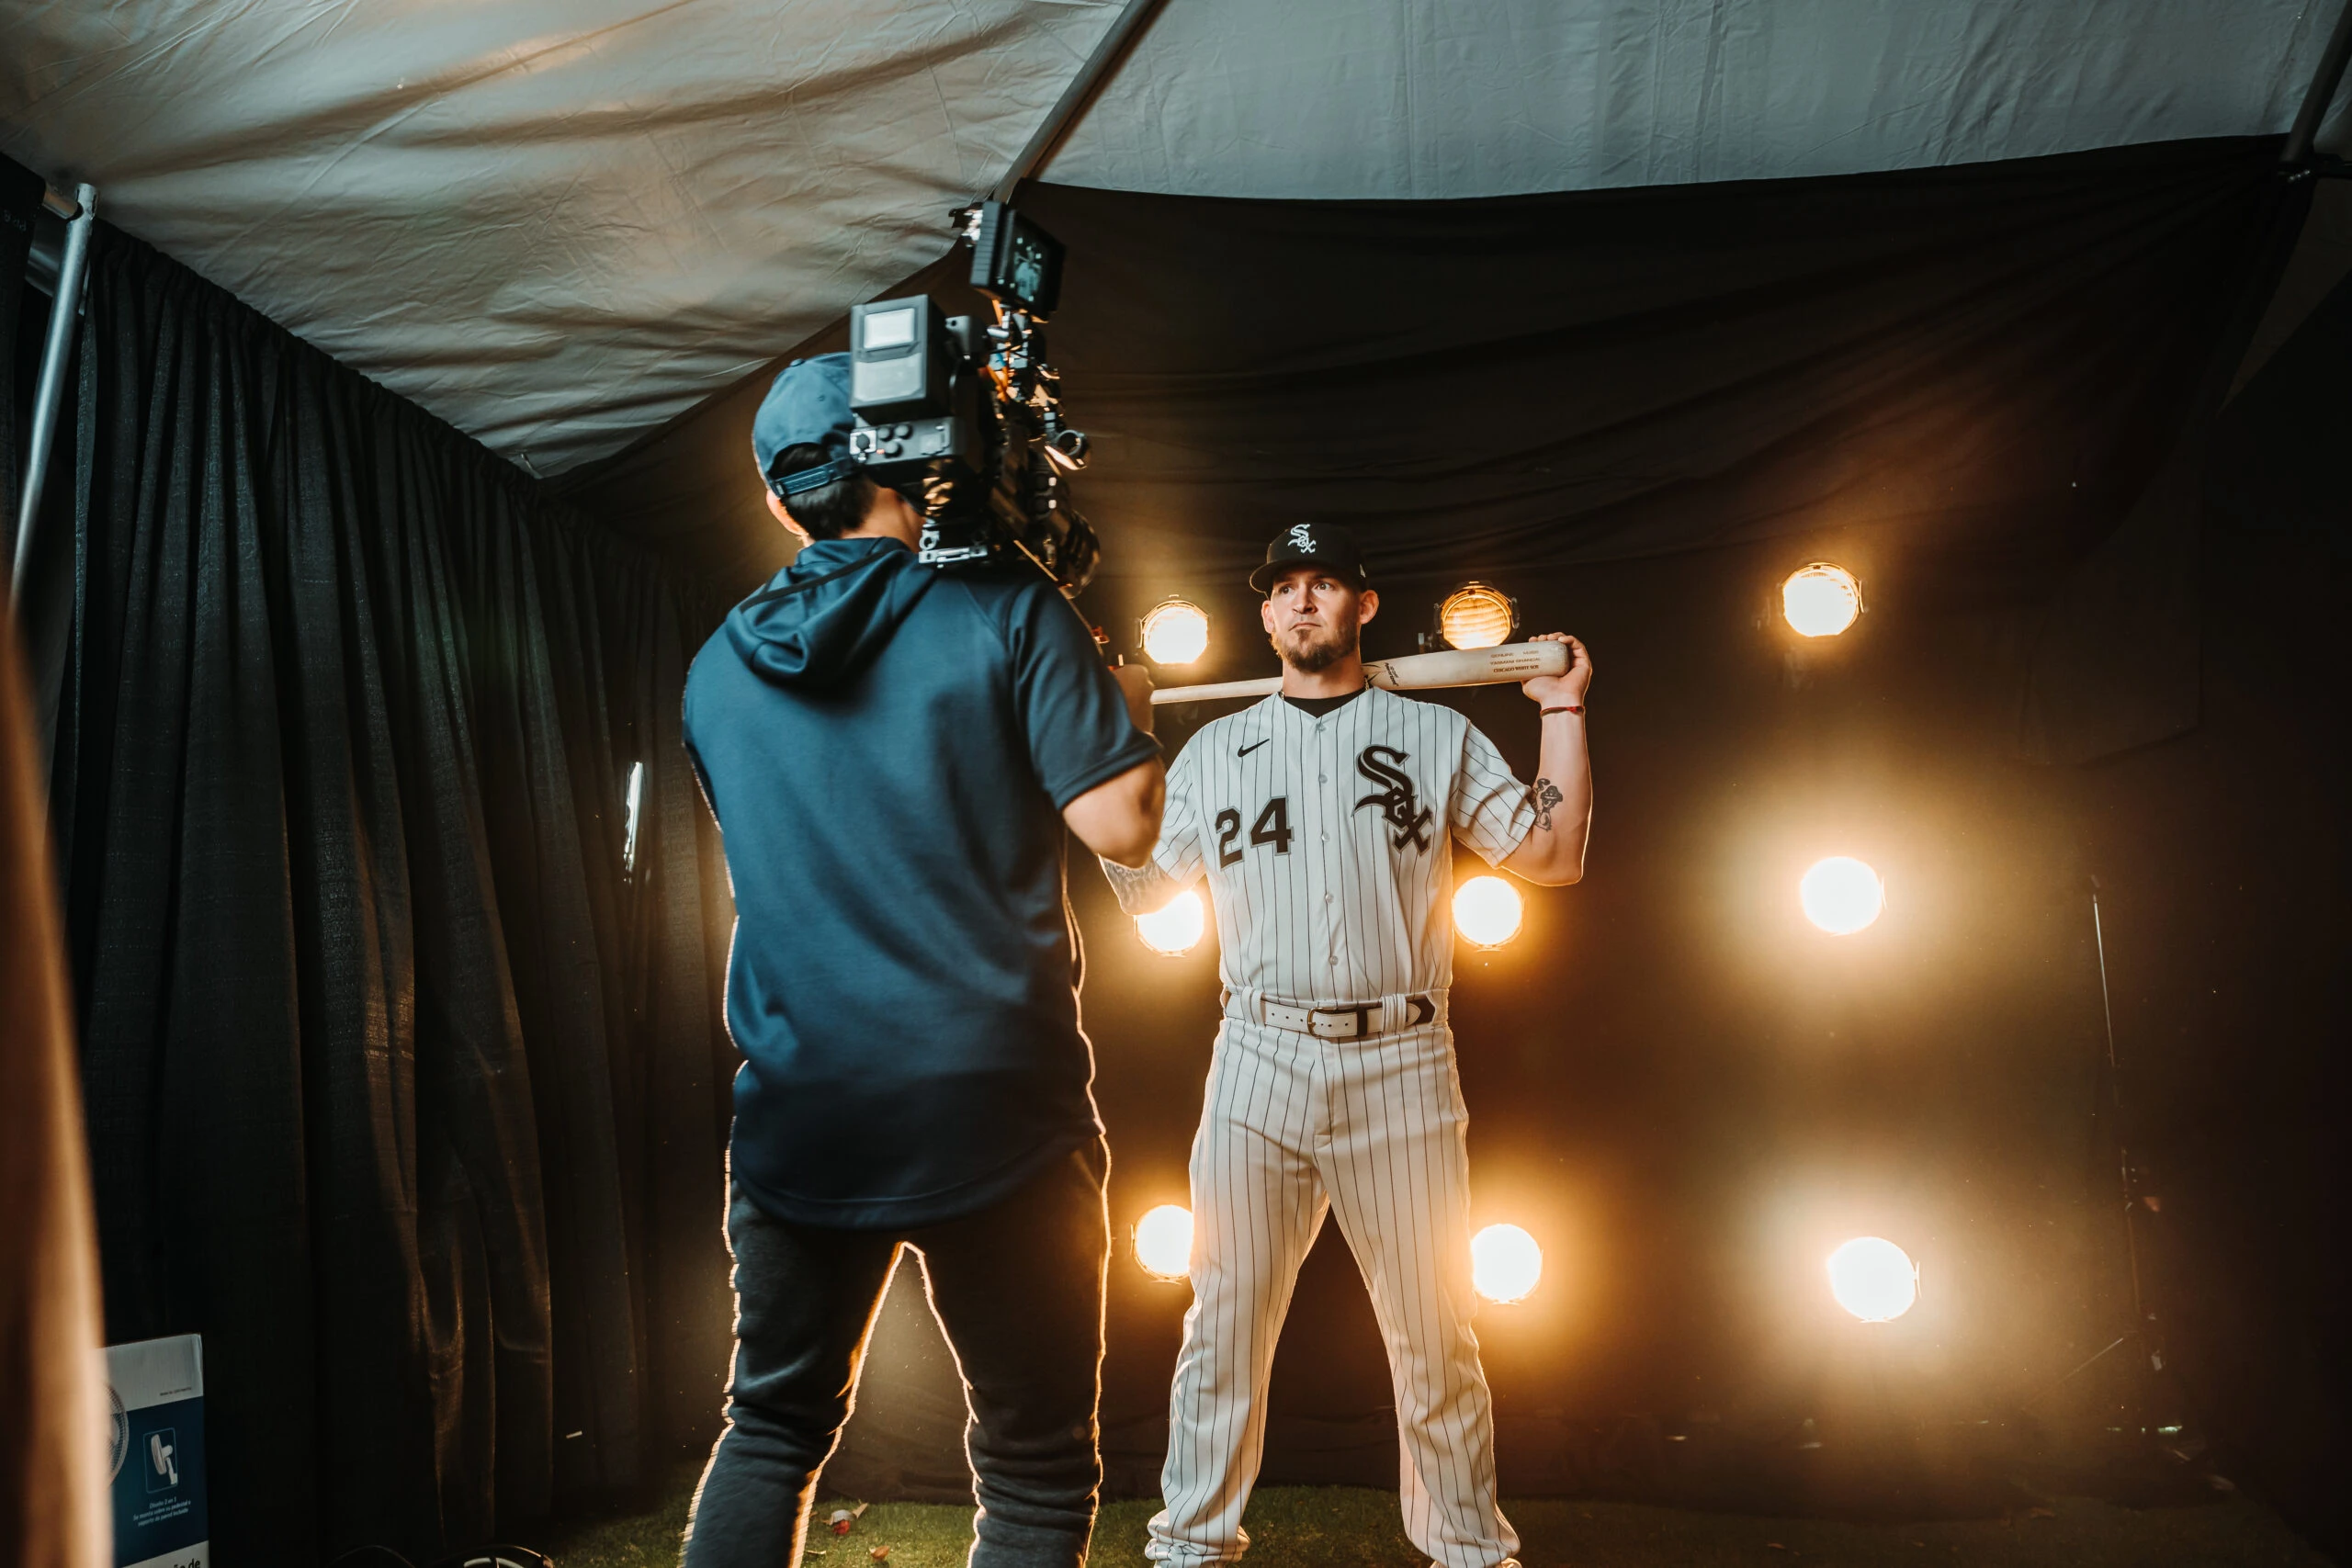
[{"x": 1546, "y": 795}]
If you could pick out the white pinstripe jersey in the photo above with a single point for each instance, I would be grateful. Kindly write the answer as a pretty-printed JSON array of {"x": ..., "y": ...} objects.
[{"x": 1328, "y": 843}]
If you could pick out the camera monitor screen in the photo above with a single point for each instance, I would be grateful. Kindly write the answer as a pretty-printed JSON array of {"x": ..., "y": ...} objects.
[
  {"x": 1027, "y": 273},
  {"x": 1016, "y": 261}
]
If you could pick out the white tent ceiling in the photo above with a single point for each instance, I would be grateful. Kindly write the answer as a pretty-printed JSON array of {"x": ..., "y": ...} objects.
[{"x": 557, "y": 223}]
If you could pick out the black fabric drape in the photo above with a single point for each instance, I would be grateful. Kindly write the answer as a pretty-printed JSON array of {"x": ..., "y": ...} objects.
[
  {"x": 2224, "y": 853},
  {"x": 374, "y": 1082},
  {"x": 2117, "y": 659},
  {"x": 1996, "y": 353},
  {"x": 1995, "y": 357},
  {"x": 1966, "y": 378}
]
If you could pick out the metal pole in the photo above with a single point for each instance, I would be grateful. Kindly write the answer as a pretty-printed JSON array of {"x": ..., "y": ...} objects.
[
  {"x": 51, "y": 391},
  {"x": 2123, "y": 1167},
  {"x": 2322, "y": 93},
  {"x": 2115, "y": 1105},
  {"x": 1090, "y": 80}
]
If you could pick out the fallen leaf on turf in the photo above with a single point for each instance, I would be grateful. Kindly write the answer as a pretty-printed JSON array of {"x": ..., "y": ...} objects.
[{"x": 880, "y": 1554}]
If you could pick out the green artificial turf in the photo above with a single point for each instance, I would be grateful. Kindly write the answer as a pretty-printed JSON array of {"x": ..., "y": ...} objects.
[{"x": 1345, "y": 1527}]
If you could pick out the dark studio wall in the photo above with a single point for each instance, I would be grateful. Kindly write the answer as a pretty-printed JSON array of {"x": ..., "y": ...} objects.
[
  {"x": 2226, "y": 850},
  {"x": 1989, "y": 389},
  {"x": 405, "y": 1088}
]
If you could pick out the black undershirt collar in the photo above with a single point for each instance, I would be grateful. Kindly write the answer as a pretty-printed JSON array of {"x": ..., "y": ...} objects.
[{"x": 1318, "y": 707}]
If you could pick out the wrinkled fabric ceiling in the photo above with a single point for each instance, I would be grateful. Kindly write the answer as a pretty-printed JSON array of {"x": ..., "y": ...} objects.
[{"x": 558, "y": 225}]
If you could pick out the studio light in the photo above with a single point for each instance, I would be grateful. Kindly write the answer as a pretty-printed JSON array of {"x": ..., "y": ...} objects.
[
  {"x": 1174, "y": 929},
  {"x": 1505, "y": 1264},
  {"x": 1474, "y": 615},
  {"x": 1164, "y": 1242},
  {"x": 1175, "y": 631},
  {"x": 1842, "y": 895},
  {"x": 1873, "y": 1279},
  {"x": 1486, "y": 911},
  {"x": 1821, "y": 599}
]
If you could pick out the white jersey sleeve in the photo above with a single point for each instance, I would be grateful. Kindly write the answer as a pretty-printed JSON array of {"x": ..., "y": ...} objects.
[
  {"x": 1491, "y": 811},
  {"x": 1175, "y": 863}
]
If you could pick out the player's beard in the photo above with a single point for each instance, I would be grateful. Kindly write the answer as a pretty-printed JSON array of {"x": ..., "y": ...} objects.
[{"x": 1311, "y": 655}]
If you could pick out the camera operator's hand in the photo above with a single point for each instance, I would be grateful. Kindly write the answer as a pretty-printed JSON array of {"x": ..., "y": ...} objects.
[{"x": 1135, "y": 684}]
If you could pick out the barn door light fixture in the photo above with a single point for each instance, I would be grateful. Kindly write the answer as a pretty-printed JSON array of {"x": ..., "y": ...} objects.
[
  {"x": 1477, "y": 614},
  {"x": 1821, "y": 599}
]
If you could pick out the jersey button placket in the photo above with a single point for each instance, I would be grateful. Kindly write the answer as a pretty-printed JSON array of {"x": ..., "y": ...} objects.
[{"x": 1330, "y": 865}]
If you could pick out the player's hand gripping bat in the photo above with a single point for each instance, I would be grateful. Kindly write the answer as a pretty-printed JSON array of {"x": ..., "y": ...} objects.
[{"x": 1456, "y": 667}]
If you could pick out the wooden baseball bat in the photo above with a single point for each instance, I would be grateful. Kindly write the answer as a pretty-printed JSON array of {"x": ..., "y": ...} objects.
[{"x": 1455, "y": 667}]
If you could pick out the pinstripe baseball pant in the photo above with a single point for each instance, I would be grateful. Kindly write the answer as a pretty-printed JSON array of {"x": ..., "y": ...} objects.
[{"x": 1371, "y": 1129}]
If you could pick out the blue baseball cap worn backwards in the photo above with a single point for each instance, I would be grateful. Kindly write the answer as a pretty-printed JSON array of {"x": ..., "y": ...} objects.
[{"x": 807, "y": 404}]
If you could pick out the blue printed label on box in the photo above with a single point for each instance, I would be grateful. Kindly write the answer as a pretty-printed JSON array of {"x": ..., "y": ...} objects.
[{"x": 158, "y": 1406}]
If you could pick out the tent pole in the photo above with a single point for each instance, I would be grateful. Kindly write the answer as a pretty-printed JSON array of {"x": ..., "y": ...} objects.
[
  {"x": 1091, "y": 79},
  {"x": 2322, "y": 91},
  {"x": 65, "y": 306}
]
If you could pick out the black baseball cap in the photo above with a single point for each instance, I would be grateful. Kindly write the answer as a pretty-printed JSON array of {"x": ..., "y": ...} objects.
[
  {"x": 1311, "y": 544},
  {"x": 807, "y": 404}
]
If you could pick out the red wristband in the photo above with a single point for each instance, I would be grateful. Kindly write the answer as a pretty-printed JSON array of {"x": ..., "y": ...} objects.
[{"x": 1577, "y": 708}]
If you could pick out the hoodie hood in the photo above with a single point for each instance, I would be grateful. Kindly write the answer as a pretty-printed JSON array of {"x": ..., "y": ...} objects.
[{"x": 820, "y": 619}]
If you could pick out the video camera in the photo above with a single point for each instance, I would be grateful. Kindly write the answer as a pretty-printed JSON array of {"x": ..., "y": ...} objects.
[{"x": 961, "y": 416}]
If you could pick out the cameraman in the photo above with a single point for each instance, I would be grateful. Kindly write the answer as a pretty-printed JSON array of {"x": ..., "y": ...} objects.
[{"x": 892, "y": 752}]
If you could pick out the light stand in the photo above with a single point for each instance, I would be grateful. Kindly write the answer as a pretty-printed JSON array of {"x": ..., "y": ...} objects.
[
  {"x": 2140, "y": 1317},
  {"x": 2153, "y": 1436}
]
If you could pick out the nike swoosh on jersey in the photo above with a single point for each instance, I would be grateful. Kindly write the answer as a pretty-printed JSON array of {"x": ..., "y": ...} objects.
[{"x": 1252, "y": 747}]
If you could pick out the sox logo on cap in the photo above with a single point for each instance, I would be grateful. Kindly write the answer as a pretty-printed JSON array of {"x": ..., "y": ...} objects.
[{"x": 1329, "y": 897}]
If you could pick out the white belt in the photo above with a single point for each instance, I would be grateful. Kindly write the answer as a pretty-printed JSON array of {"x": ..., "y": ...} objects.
[{"x": 1355, "y": 1021}]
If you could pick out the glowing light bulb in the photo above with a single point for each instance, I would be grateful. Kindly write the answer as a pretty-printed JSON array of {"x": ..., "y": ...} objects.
[
  {"x": 1821, "y": 599},
  {"x": 1175, "y": 631},
  {"x": 1474, "y": 615},
  {"x": 1487, "y": 911},
  {"x": 1164, "y": 1242},
  {"x": 1873, "y": 1279},
  {"x": 1505, "y": 1264},
  {"x": 1175, "y": 928},
  {"x": 1842, "y": 895}
]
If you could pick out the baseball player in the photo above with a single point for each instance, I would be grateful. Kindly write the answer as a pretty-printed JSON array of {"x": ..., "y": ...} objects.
[{"x": 1323, "y": 819}]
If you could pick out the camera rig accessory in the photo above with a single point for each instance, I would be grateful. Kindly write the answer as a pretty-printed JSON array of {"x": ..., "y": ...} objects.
[{"x": 963, "y": 417}]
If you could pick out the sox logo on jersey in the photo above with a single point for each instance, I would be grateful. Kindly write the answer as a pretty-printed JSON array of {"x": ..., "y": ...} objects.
[
  {"x": 1406, "y": 815},
  {"x": 1330, "y": 898}
]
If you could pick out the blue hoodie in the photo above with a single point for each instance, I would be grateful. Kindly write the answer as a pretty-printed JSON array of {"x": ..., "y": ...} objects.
[{"x": 887, "y": 749}]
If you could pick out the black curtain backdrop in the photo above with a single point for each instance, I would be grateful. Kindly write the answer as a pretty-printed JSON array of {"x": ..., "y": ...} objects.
[
  {"x": 1993, "y": 350},
  {"x": 404, "y": 1091},
  {"x": 1637, "y": 410},
  {"x": 1993, "y": 356},
  {"x": 2226, "y": 853}
]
